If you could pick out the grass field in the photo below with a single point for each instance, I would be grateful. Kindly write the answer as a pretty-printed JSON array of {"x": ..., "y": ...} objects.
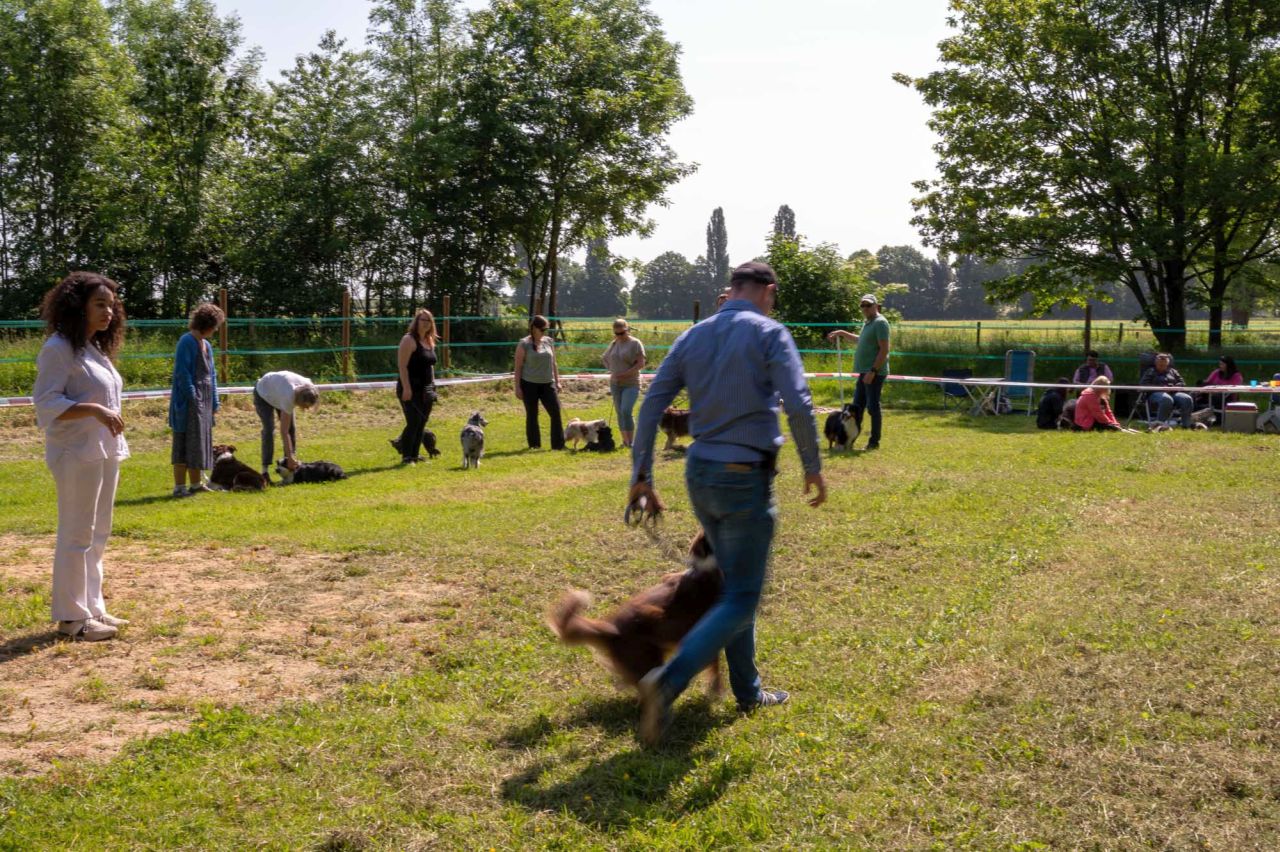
[{"x": 995, "y": 638}]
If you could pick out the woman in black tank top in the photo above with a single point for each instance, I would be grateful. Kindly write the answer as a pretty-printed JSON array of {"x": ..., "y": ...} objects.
[{"x": 416, "y": 385}]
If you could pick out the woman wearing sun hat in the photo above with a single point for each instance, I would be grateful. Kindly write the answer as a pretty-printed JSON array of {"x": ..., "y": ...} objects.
[{"x": 624, "y": 359}]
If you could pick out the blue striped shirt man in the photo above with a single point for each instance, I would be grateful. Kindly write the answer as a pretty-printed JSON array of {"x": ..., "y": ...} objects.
[{"x": 736, "y": 364}]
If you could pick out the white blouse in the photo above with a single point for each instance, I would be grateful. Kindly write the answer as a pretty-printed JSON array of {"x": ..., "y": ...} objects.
[{"x": 65, "y": 377}]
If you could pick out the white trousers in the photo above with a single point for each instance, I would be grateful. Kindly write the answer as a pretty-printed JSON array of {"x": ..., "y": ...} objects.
[{"x": 86, "y": 496}]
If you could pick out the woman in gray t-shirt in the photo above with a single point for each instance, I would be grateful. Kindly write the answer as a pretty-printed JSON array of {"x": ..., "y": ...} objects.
[
  {"x": 624, "y": 359},
  {"x": 538, "y": 380}
]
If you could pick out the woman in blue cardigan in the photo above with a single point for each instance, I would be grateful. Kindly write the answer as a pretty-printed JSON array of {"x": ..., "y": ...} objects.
[{"x": 193, "y": 401}]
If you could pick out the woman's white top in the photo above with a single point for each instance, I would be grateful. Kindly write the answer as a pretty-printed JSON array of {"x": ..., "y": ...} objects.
[
  {"x": 277, "y": 389},
  {"x": 65, "y": 377}
]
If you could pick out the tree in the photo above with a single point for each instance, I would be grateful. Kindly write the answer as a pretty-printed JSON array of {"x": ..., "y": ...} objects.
[
  {"x": 784, "y": 222},
  {"x": 1112, "y": 140},
  {"x": 581, "y": 95},
  {"x": 716, "y": 260},
  {"x": 189, "y": 98},
  {"x": 599, "y": 291},
  {"x": 309, "y": 197},
  {"x": 62, "y": 120},
  {"x": 666, "y": 288},
  {"x": 905, "y": 265},
  {"x": 818, "y": 285}
]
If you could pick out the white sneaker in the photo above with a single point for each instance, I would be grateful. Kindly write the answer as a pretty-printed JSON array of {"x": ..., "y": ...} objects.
[
  {"x": 111, "y": 620},
  {"x": 90, "y": 630}
]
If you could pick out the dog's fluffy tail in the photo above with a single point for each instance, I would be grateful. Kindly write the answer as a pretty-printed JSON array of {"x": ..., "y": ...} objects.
[{"x": 566, "y": 621}]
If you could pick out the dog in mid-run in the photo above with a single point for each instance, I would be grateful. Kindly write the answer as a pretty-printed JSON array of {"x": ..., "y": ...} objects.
[
  {"x": 473, "y": 441},
  {"x": 583, "y": 430},
  {"x": 675, "y": 424},
  {"x": 841, "y": 429},
  {"x": 231, "y": 474},
  {"x": 645, "y": 630},
  {"x": 429, "y": 443},
  {"x": 316, "y": 471}
]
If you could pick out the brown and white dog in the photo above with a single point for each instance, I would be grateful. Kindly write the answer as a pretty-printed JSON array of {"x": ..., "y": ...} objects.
[
  {"x": 583, "y": 430},
  {"x": 675, "y": 423},
  {"x": 645, "y": 630},
  {"x": 231, "y": 474}
]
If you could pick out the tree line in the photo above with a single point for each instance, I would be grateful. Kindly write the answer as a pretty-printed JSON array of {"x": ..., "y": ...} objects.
[{"x": 460, "y": 150}]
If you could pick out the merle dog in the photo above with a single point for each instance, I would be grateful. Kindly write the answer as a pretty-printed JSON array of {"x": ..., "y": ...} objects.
[{"x": 473, "y": 441}]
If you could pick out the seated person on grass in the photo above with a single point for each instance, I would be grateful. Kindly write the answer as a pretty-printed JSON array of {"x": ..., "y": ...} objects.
[
  {"x": 1093, "y": 409},
  {"x": 1162, "y": 375},
  {"x": 1051, "y": 405},
  {"x": 1091, "y": 369}
]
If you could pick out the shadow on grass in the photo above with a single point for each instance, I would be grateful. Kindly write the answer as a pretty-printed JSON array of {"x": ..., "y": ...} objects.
[
  {"x": 20, "y": 646},
  {"x": 637, "y": 783}
]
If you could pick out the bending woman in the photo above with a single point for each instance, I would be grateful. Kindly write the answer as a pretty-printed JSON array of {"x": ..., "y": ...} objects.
[
  {"x": 538, "y": 380},
  {"x": 416, "y": 383},
  {"x": 1093, "y": 409},
  {"x": 77, "y": 397}
]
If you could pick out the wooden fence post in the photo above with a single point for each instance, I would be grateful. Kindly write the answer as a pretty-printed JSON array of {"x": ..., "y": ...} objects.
[
  {"x": 1120, "y": 334},
  {"x": 222, "y": 335},
  {"x": 447, "y": 311},
  {"x": 697, "y": 310},
  {"x": 1088, "y": 328},
  {"x": 978, "y": 342},
  {"x": 346, "y": 334}
]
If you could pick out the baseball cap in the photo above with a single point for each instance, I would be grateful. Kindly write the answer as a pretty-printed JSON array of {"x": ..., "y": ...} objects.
[
  {"x": 869, "y": 299},
  {"x": 754, "y": 271}
]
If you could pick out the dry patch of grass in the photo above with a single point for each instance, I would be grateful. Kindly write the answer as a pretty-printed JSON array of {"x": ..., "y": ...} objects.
[{"x": 213, "y": 627}]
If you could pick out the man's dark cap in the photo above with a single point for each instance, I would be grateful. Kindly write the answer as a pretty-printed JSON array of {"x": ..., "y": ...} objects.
[{"x": 754, "y": 271}]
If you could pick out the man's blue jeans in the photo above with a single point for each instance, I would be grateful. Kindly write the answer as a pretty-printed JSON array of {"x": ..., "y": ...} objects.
[
  {"x": 1164, "y": 406},
  {"x": 867, "y": 398},
  {"x": 736, "y": 509}
]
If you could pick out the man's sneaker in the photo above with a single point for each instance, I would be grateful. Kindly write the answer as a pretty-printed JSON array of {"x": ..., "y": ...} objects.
[
  {"x": 198, "y": 488},
  {"x": 111, "y": 620},
  {"x": 655, "y": 709},
  {"x": 768, "y": 698},
  {"x": 89, "y": 630},
  {"x": 872, "y": 445},
  {"x": 181, "y": 491},
  {"x": 395, "y": 442}
]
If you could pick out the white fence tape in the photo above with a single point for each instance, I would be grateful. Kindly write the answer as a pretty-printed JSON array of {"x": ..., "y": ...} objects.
[{"x": 990, "y": 384}]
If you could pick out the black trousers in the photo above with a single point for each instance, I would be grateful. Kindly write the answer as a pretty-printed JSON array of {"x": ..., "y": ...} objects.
[
  {"x": 268, "y": 416},
  {"x": 546, "y": 394},
  {"x": 417, "y": 412}
]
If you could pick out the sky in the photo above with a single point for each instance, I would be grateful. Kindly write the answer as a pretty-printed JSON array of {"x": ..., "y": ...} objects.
[{"x": 793, "y": 104}]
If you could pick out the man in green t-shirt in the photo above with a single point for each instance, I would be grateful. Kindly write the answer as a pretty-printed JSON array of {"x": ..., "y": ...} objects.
[{"x": 871, "y": 360}]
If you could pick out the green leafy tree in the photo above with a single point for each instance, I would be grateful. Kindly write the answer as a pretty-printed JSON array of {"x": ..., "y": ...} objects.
[
  {"x": 63, "y": 121},
  {"x": 189, "y": 101},
  {"x": 906, "y": 265},
  {"x": 580, "y": 95},
  {"x": 1112, "y": 140},
  {"x": 666, "y": 287},
  {"x": 599, "y": 291},
  {"x": 818, "y": 285},
  {"x": 784, "y": 222},
  {"x": 310, "y": 197}
]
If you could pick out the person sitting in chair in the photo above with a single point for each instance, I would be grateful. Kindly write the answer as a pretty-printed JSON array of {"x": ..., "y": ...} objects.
[
  {"x": 1091, "y": 369},
  {"x": 1163, "y": 375}
]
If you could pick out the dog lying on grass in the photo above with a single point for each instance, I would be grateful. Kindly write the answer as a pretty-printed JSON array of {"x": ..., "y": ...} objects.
[
  {"x": 645, "y": 630},
  {"x": 316, "y": 471},
  {"x": 231, "y": 474}
]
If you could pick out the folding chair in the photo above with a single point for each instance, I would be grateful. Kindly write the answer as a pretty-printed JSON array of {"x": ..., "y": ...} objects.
[
  {"x": 1019, "y": 366},
  {"x": 962, "y": 395}
]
